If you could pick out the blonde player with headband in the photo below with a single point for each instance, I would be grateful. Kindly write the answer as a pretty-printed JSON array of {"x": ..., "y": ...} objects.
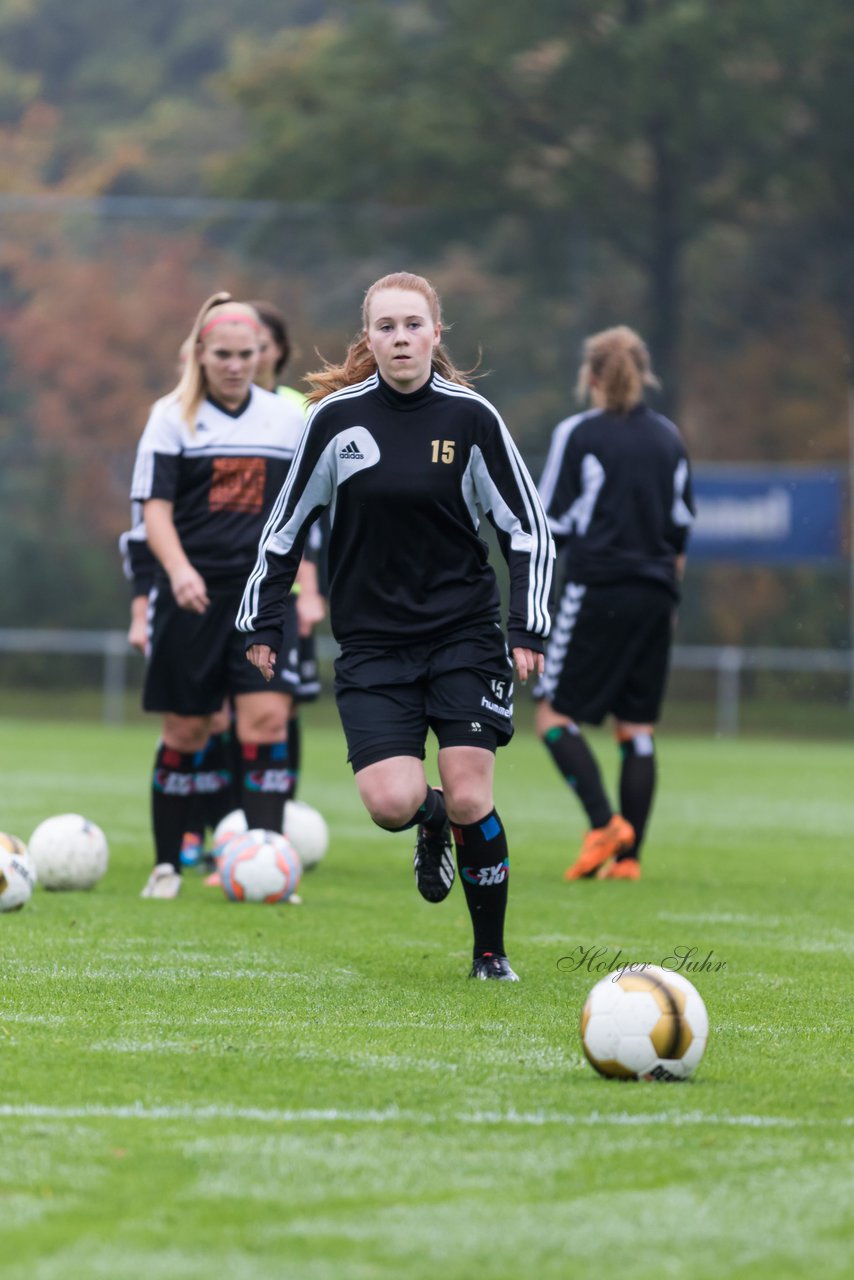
[{"x": 212, "y": 458}]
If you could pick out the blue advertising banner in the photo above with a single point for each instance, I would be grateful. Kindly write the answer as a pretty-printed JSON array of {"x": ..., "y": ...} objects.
[{"x": 769, "y": 515}]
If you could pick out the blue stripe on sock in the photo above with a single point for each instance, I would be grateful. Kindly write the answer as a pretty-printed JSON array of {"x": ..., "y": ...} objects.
[{"x": 490, "y": 828}]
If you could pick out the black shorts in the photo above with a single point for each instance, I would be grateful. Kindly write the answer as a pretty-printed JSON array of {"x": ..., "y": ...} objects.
[
  {"x": 389, "y": 696},
  {"x": 308, "y": 686},
  {"x": 609, "y": 652},
  {"x": 199, "y": 659}
]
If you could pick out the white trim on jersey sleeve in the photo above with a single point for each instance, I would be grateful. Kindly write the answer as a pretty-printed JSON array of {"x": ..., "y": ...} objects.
[
  {"x": 580, "y": 513},
  {"x": 554, "y": 458},
  {"x": 162, "y": 435},
  {"x": 319, "y": 491},
  {"x": 538, "y": 543},
  {"x": 681, "y": 512}
]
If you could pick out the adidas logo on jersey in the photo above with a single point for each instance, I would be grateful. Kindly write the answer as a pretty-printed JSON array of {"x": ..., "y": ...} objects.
[{"x": 351, "y": 452}]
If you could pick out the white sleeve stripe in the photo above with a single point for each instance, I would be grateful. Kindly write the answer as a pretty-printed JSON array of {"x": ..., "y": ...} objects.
[
  {"x": 554, "y": 459},
  {"x": 251, "y": 596},
  {"x": 540, "y": 570},
  {"x": 143, "y": 476},
  {"x": 249, "y": 604}
]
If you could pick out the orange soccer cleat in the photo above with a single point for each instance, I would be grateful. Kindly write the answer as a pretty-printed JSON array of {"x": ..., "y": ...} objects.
[
  {"x": 625, "y": 869},
  {"x": 601, "y": 844}
]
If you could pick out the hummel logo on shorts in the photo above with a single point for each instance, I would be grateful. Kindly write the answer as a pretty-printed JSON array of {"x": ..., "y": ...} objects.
[{"x": 351, "y": 453}]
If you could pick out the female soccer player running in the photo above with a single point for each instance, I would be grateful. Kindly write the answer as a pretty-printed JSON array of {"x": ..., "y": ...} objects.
[
  {"x": 211, "y": 460},
  {"x": 406, "y": 457},
  {"x": 617, "y": 489}
]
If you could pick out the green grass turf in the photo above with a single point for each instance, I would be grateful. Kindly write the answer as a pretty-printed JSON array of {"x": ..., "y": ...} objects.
[{"x": 197, "y": 1088}]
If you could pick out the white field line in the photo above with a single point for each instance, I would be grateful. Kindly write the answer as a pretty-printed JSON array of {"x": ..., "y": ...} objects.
[{"x": 394, "y": 1115}]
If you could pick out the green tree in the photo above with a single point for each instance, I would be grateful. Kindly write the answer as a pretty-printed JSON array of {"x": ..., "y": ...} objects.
[{"x": 643, "y": 121}]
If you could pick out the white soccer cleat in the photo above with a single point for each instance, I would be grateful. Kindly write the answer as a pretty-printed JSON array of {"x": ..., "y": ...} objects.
[{"x": 164, "y": 882}]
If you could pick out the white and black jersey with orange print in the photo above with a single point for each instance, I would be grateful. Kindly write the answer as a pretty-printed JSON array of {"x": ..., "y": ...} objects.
[
  {"x": 406, "y": 479},
  {"x": 222, "y": 477},
  {"x": 617, "y": 491}
]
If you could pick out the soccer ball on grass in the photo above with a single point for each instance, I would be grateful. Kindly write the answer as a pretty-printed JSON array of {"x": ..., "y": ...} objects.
[
  {"x": 260, "y": 866},
  {"x": 644, "y": 1023},
  {"x": 304, "y": 826},
  {"x": 69, "y": 852},
  {"x": 307, "y": 831},
  {"x": 233, "y": 824},
  {"x": 17, "y": 873}
]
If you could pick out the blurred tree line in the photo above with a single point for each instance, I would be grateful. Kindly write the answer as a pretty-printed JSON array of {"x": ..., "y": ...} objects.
[{"x": 680, "y": 165}]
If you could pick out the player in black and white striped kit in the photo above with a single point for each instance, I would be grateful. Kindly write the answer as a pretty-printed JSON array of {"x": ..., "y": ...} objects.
[
  {"x": 407, "y": 457},
  {"x": 617, "y": 490},
  {"x": 212, "y": 458}
]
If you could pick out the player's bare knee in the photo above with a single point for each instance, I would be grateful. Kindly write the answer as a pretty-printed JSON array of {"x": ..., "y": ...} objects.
[
  {"x": 547, "y": 718},
  {"x": 187, "y": 734},
  {"x": 467, "y": 801}
]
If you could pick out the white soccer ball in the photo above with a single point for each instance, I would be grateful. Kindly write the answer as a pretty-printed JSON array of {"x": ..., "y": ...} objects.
[
  {"x": 233, "y": 824},
  {"x": 17, "y": 873},
  {"x": 69, "y": 852},
  {"x": 260, "y": 866},
  {"x": 307, "y": 831},
  {"x": 644, "y": 1023}
]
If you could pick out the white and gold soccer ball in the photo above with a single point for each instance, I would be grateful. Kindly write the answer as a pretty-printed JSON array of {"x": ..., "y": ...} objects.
[
  {"x": 644, "y": 1023},
  {"x": 17, "y": 873},
  {"x": 307, "y": 831},
  {"x": 69, "y": 852}
]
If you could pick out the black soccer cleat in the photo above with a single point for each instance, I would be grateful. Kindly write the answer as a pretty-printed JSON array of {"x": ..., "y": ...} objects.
[
  {"x": 492, "y": 966},
  {"x": 433, "y": 863}
]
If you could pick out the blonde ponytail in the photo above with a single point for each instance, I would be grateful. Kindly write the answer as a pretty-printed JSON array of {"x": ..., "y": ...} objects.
[{"x": 615, "y": 369}]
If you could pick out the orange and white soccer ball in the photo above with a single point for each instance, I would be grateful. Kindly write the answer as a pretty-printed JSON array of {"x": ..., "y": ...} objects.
[
  {"x": 260, "y": 866},
  {"x": 644, "y": 1023},
  {"x": 17, "y": 873}
]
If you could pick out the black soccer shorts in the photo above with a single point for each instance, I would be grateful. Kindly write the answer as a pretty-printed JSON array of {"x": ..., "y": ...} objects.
[
  {"x": 609, "y": 652},
  {"x": 199, "y": 659},
  {"x": 308, "y": 687},
  {"x": 389, "y": 696}
]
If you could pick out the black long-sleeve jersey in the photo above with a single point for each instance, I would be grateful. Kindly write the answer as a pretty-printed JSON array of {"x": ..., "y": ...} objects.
[
  {"x": 617, "y": 490},
  {"x": 222, "y": 478},
  {"x": 405, "y": 478}
]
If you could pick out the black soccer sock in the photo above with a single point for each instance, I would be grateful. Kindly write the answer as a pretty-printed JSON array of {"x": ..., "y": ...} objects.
[
  {"x": 484, "y": 869},
  {"x": 431, "y": 814},
  {"x": 216, "y": 784},
  {"x": 577, "y": 765},
  {"x": 266, "y": 784},
  {"x": 294, "y": 752},
  {"x": 174, "y": 802},
  {"x": 637, "y": 786},
  {"x": 235, "y": 765}
]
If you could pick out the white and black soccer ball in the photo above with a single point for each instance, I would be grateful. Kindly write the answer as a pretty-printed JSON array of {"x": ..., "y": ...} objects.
[
  {"x": 17, "y": 873},
  {"x": 307, "y": 831},
  {"x": 645, "y": 1023},
  {"x": 260, "y": 866},
  {"x": 69, "y": 852}
]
